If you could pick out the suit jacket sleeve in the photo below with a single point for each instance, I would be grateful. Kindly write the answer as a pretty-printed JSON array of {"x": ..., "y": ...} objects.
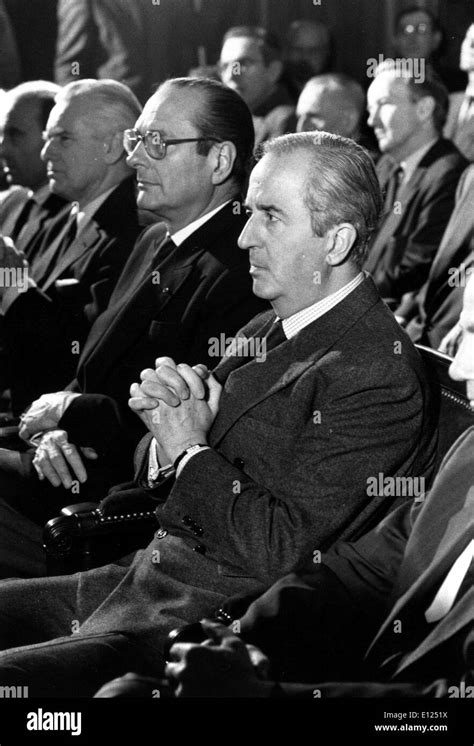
[
  {"x": 317, "y": 624},
  {"x": 245, "y": 525}
]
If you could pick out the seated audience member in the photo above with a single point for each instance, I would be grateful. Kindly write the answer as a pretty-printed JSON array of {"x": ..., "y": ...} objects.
[
  {"x": 429, "y": 314},
  {"x": 460, "y": 122},
  {"x": 185, "y": 284},
  {"x": 419, "y": 172},
  {"x": 390, "y": 615},
  {"x": 271, "y": 455},
  {"x": 419, "y": 36},
  {"x": 332, "y": 102},
  {"x": 75, "y": 264},
  {"x": 250, "y": 63},
  {"x": 23, "y": 116},
  {"x": 308, "y": 52}
]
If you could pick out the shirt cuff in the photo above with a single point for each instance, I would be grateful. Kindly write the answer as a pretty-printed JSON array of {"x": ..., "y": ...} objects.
[
  {"x": 187, "y": 458},
  {"x": 155, "y": 471}
]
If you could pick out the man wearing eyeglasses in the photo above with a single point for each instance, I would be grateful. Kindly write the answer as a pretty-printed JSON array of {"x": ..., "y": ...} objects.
[
  {"x": 251, "y": 64},
  {"x": 418, "y": 35},
  {"x": 269, "y": 458},
  {"x": 185, "y": 285}
]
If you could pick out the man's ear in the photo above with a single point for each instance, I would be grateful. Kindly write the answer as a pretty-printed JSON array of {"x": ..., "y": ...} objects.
[
  {"x": 341, "y": 239},
  {"x": 274, "y": 70},
  {"x": 113, "y": 148},
  {"x": 425, "y": 108},
  {"x": 224, "y": 155}
]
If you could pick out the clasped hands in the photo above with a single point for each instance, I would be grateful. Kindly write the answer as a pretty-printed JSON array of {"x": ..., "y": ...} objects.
[{"x": 177, "y": 403}]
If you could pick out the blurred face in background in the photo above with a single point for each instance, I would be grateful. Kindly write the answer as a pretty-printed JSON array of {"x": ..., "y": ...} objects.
[
  {"x": 415, "y": 35},
  {"x": 243, "y": 69},
  {"x": 307, "y": 52},
  {"x": 21, "y": 143},
  {"x": 320, "y": 108}
]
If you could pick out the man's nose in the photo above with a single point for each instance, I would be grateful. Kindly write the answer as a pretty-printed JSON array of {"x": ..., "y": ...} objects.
[
  {"x": 372, "y": 118},
  {"x": 301, "y": 123},
  {"x": 138, "y": 155},
  {"x": 47, "y": 150},
  {"x": 247, "y": 239}
]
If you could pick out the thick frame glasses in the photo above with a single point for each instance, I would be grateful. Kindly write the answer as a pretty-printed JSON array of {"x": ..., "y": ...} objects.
[{"x": 154, "y": 143}]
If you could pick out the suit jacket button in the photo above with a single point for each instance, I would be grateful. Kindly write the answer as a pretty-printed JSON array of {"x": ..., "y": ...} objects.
[
  {"x": 187, "y": 520},
  {"x": 239, "y": 463},
  {"x": 200, "y": 548},
  {"x": 197, "y": 530},
  {"x": 161, "y": 533}
]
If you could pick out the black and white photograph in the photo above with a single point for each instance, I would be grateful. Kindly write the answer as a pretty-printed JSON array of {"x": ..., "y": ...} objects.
[{"x": 237, "y": 370}]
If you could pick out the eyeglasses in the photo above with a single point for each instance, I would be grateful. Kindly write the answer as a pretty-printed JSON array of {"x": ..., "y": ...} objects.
[
  {"x": 419, "y": 28},
  {"x": 154, "y": 143}
]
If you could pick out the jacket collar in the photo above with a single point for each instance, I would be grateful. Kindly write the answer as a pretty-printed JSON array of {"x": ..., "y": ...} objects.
[{"x": 248, "y": 382}]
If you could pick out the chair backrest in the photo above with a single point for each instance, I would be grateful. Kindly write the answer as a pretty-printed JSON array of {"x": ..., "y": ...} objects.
[{"x": 454, "y": 411}]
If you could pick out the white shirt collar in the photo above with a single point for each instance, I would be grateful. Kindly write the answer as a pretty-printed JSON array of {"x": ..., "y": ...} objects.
[
  {"x": 185, "y": 232},
  {"x": 295, "y": 323}
]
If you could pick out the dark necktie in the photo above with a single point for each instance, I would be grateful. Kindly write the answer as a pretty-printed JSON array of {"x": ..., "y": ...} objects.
[
  {"x": 391, "y": 189},
  {"x": 275, "y": 335},
  {"x": 163, "y": 250},
  {"x": 23, "y": 217}
]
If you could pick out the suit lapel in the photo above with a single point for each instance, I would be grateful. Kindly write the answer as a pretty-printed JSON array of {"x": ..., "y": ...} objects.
[
  {"x": 127, "y": 319},
  {"x": 84, "y": 242},
  {"x": 249, "y": 383},
  {"x": 130, "y": 320}
]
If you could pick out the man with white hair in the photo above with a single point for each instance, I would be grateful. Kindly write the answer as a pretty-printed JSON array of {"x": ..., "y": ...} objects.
[
  {"x": 74, "y": 266},
  {"x": 263, "y": 463}
]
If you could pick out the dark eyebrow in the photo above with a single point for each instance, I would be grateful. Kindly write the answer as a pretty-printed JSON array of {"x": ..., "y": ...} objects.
[
  {"x": 264, "y": 208},
  {"x": 269, "y": 208}
]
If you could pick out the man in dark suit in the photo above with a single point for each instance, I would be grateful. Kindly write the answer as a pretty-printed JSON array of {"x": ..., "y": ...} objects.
[
  {"x": 173, "y": 297},
  {"x": 404, "y": 593},
  {"x": 75, "y": 265},
  {"x": 25, "y": 111},
  {"x": 419, "y": 172},
  {"x": 430, "y": 314},
  {"x": 274, "y": 463}
]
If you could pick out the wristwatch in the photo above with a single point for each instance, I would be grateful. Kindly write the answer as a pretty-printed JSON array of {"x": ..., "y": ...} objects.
[{"x": 188, "y": 452}]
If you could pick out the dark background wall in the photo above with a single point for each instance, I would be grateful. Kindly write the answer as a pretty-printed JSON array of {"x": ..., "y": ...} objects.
[{"x": 361, "y": 27}]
